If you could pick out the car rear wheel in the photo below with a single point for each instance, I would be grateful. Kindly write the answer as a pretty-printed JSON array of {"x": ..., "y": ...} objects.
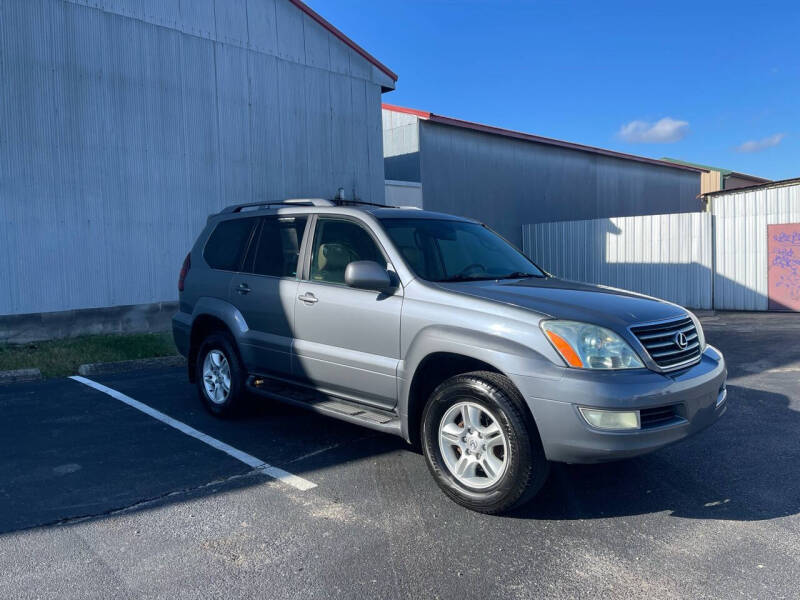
[
  {"x": 219, "y": 375},
  {"x": 481, "y": 447}
]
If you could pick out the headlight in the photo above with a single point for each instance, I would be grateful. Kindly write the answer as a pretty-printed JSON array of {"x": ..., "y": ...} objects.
[
  {"x": 586, "y": 346},
  {"x": 701, "y": 337}
]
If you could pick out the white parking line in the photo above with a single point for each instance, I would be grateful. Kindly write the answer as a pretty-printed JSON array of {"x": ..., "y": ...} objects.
[{"x": 248, "y": 459}]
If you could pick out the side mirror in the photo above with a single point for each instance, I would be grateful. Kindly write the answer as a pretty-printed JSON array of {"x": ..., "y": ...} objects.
[{"x": 367, "y": 275}]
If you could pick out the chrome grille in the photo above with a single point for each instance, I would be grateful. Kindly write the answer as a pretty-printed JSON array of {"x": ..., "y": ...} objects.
[{"x": 659, "y": 340}]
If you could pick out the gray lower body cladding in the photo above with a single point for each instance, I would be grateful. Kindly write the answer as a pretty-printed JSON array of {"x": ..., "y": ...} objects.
[
  {"x": 696, "y": 395},
  {"x": 182, "y": 331}
]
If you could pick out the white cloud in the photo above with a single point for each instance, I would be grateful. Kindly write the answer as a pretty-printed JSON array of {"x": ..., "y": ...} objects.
[
  {"x": 762, "y": 144},
  {"x": 663, "y": 131}
]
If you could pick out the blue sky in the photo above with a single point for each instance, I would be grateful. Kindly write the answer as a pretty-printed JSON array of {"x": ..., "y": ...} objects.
[{"x": 714, "y": 83}]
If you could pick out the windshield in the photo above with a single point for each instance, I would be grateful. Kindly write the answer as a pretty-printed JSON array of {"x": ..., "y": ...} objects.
[{"x": 442, "y": 250}]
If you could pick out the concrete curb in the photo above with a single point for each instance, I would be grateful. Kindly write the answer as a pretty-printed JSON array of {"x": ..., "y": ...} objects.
[
  {"x": 123, "y": 366},
  {"x": 19, "y": 375}
]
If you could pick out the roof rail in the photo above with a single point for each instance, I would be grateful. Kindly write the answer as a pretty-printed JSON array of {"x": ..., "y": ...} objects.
[
  {"x": 235, "y": 208},
  {"x": 361, "y": 203}
]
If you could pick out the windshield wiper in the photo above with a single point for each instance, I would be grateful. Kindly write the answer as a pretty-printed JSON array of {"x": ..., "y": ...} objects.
[
  {"x": 456, "y": 278},
  {"x": 519, "y": 275},
  {"x": 514, "y": 275}
]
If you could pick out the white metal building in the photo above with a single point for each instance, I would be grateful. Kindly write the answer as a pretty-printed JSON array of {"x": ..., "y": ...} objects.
[
  {"x": 507, "y": 178},
  {"x": 743, "y": 253},
  {"x": 124, "y": 123}
]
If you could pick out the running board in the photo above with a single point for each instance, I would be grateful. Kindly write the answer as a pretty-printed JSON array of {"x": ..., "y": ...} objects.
[{"x": 324, "y": 404}]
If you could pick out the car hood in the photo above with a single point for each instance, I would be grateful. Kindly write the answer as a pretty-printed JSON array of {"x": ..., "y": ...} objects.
[{"x": 563, "y": 299}]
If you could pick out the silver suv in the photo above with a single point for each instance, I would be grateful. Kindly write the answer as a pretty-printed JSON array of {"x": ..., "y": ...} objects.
[{"x": 434, "y": 328}]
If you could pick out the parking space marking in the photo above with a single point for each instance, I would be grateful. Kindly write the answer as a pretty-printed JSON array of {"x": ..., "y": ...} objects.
[{"x": 248, "y": 459}]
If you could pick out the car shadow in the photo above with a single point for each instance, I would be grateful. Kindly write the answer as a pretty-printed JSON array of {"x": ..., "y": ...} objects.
[{"x": 743, "y": 468}]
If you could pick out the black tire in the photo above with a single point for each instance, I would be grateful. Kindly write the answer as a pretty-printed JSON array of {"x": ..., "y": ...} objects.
[
  {"x": 527, "y": 467},
  {"x": 221, "y": 342}
]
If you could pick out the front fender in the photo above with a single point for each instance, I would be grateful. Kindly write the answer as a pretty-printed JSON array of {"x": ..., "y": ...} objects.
[{"x": 501, "y": 352}]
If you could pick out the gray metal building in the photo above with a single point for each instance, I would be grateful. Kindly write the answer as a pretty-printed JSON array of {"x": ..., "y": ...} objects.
[
  {"x": 507, "y": 178},
  {"x": 123, "y": 123}
]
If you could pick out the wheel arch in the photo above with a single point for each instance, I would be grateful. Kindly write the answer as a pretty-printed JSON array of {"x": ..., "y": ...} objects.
[{"x": 212, "y": 314}]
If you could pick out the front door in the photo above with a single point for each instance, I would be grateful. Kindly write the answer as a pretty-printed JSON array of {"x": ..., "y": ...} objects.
[
  {"x": 265, "y": 293},
  {"x": 347, "y": 340}
]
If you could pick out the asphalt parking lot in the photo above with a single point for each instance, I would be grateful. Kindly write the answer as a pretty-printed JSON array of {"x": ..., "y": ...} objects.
[{"x": 99, "y": 500}]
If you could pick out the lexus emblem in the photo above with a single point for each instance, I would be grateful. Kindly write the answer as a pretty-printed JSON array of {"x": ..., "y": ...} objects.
[{"x": 680, "y": 340}]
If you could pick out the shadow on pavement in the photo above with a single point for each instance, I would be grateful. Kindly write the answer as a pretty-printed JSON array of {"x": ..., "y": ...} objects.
[
  {"x": 71, "y": 452},
  {"x": 744, "y": 468}
]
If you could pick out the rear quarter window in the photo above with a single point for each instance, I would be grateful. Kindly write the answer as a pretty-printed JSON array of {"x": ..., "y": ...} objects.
[{"x": 227, "y": 244}]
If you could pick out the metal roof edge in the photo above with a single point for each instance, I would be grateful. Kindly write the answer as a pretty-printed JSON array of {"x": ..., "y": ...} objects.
[
  {"x": 767, "y": 185},
  {"x": 409, "y": 111},
  {"x": 330, "y": 27},
  {"x": 429, "y": 116},
  {"x": 746, "y": 176},
  {"x": 723, "y": 172}
]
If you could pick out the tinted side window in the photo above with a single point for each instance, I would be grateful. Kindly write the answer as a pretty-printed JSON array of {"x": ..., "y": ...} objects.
[
  {"x": 337, "y": 243},
  {"x": 226, "y": 247},
  {"x": 278, "y": 247}
]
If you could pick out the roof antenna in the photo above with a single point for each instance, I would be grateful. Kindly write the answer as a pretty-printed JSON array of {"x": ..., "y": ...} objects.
[{"x": 340, "y": 194}]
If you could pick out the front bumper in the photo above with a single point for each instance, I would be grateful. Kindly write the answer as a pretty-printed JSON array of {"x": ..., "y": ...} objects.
[{"x": 698, "y": 391}]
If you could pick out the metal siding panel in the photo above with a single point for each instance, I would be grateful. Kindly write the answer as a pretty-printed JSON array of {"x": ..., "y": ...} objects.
[
  {"x": 197, "y": 17},
  {"x": 200, "y": 134},
  {"x": 612, "y": 252},
  {"x": 291, "y": 42},
  {"x": 231, "y": 21},
  {"x": 339, "y": 57},
  {"x": 262, "y": 27},
  {"x": 233, "y": 107},
  {"x": 344, "y": 153},
  {"x": 741, "y": 218},
  {"x": 5, "y": 216},
  {"x": 360, "y": 67},
  {"x": 78, "y": 82},
  {"x": 506, "y": 182},
  {"x": 359, "y": 133},
  {"x": 161, "y": 12},
  {"x": 375, "y": 192},
  {"x": 291, "y": 83},
  {"x": 266, "y": 166},
  {"x": 120, "y": 136},
  {"x": 317, "y": 44},
  {"x": 318, "y": 133}
]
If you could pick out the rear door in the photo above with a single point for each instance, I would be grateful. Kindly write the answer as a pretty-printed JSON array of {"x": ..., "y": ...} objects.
[
  {"x": 347, "y": 340},
  {"x": 224, "y": 252},
  {"x": 265, "y": 291}
]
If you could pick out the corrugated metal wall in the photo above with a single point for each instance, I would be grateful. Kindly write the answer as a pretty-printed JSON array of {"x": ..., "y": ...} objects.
[
  {"x": 123, "y": 123},
  {"x": 667, "y": 256},
  {"x": 401, "y": 146},
  {"x": 403, "y": 193},
  {"x": 670, "y": 256},
  {"x": 740, "y": 221},
  {"x": 506, "y": 182}
]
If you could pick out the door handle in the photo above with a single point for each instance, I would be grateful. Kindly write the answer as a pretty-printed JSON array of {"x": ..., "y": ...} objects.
[
  {"x": 243, "y": 288},
  {"x": 308, "y": 298}
]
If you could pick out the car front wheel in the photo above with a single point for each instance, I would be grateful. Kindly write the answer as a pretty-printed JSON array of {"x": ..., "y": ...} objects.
[{"x": 483, "y": 450}]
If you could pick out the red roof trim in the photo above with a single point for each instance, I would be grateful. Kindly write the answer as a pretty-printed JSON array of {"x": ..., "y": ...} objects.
[
  {"x": 327, "y": 25},
  {"x": 428, "y": 116},
  {"x": 408, "y": 111}
]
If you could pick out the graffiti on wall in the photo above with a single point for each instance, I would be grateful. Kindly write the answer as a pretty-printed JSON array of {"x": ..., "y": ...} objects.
[{"x": 784, "y": 266}]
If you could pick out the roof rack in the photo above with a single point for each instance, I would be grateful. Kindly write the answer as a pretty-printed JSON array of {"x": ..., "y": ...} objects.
[
  {"x": 235, "y": 208},
  {"x": 361, "y": 203}
]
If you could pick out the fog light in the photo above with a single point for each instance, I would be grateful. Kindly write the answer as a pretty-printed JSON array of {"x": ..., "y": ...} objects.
[{"x": 611, "y": 419}]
